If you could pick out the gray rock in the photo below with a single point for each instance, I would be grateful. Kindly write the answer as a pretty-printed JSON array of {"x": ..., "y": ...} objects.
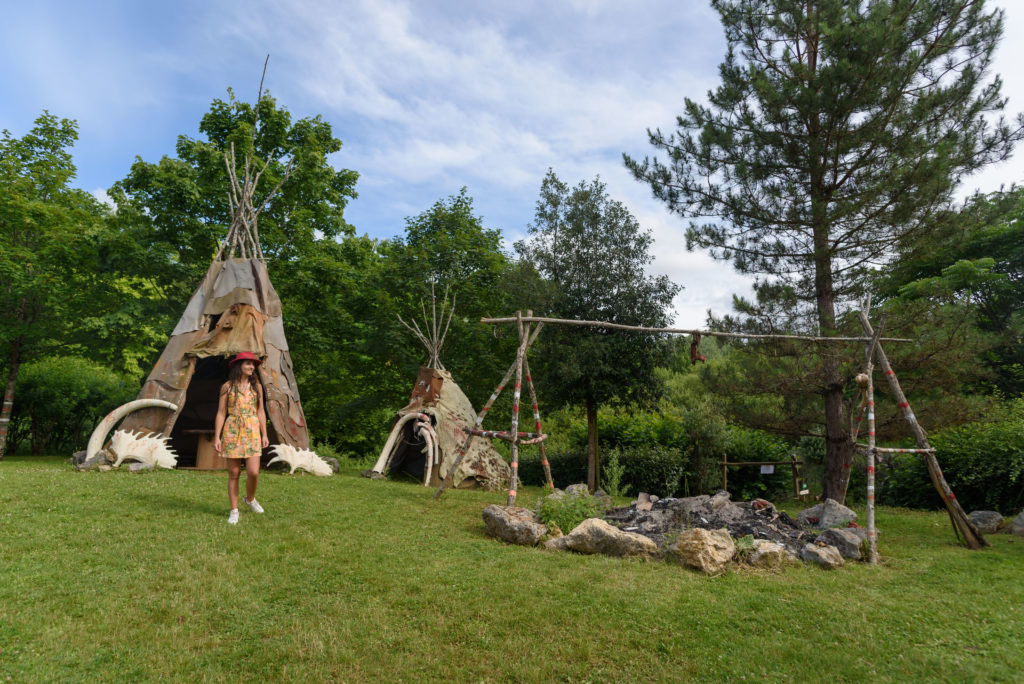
[
  {"x": 987, "y": 522},
  {"x": 643, "y": 502},
  {"x": 826, "y": 515},
  {"x": 514, "y": 524},
  {"x": 139, "y": 467},
  {"x": 847, "y": 542},
  {"x": 768, "y": 554},
  {"x": 824, "y": 556},
  {"x": 706, "y": 550},
  {"x": 560, "y": 543},
  {"x": 372, "y": 474},
  {"x": 95, "y": 463},
  {"x": 603, "y": 499},
  {"x": 719, "y": 500},
  {"x": 333, "y": 462},
  {"x": 577, "y": 490},
  {"x": 597, "y": 536},
  {"x": 1017, "y": 525},
  {"x": 78, "y": 457}
]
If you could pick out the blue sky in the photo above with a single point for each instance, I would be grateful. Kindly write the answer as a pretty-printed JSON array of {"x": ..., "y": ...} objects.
[{"x": 426, "y": 96}]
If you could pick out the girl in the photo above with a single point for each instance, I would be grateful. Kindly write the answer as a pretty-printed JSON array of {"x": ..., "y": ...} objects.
[{"x": 241, "y": 417}]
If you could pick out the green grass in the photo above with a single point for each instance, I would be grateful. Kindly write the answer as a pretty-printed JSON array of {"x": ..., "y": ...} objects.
[{"x": 128, "y": 577}]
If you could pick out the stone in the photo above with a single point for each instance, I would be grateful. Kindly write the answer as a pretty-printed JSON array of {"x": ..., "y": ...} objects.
[
  {"x": 706, "y": 550},
  {"x": 987, "y": 522},
  {"x": 597, "y": 536},
  {"x": 373, "y": 474},
  {"x": 862, "y": 532},
  {"x": 768, "y": 554},
  {"x": 846, "y": 541},
  {"x": 826, "y": 515},
  {"x": 1017, "y": 525},
  {"x": 333, "y": 462},
  {"x": 643, "y": 502},
  {"x": 97, "y": 462},
  {"x": 720, "y": 499},
  {"x": 514, "y": 524},
  {"x": 78, "y": 457},
  {"x": 822, "y": 555},
  {"x": 577, "y": 490},
  {"x": 603, "y": 500},
  {"x": 557, "y": 543},
  {"x": 140, "y": 467}
]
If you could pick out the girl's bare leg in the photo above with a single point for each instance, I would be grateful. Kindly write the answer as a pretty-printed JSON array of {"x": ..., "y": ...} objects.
[
  {"x": 252, "y": 475},
  {"x": 234, "y": 471}
]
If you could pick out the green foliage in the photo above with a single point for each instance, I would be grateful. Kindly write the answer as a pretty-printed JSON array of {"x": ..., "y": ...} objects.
[
  {"x": 60, "y": 401},
  {"x": 747, "y": 482},
  {"x": 611, "y": 474},
  {"x": 568, "y": 510},
  {"x": 983, "y": 463}
]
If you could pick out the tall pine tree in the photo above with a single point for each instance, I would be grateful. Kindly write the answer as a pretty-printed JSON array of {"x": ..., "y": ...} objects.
[{"x": 839, "y": 132}]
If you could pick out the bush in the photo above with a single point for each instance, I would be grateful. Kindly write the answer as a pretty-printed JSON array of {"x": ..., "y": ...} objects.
[
  {"x": 58, "y": 402},
  {"x": 747, "y": 482},
  {"x": 568, "y": 511},
  {"x": 983, "y": 463}
]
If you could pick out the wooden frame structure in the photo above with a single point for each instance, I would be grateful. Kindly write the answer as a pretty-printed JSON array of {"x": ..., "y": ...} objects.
[{"x": 530, "y": 326}]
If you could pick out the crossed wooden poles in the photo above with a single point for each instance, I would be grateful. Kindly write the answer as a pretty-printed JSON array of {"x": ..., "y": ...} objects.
[
  {"x": 527, "y": 335},
  {"x": 529, "y": 327}
]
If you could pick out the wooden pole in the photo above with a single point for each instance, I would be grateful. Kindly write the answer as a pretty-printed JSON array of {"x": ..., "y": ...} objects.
[
  {"x": 872, "y": 535},
  {"x": 524, "y": 335},
  {"x": 447, "y": 480},
  {"x": 679, "y": 331},
  {"x": 962, "y": 525},
  {"x": 725, "y": 471},
  {"x": 536, "y": 417}
]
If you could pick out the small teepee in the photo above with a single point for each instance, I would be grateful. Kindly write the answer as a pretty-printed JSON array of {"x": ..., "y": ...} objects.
[
  {"x": 428, "y": 432},
  {"x": 234, "y": 309}
]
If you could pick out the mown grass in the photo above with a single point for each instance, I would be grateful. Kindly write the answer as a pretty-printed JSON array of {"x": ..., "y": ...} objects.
[{"x": 137, "y": 577}]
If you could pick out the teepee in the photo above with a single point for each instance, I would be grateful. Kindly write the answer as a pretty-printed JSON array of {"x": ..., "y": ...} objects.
[
  {"x": 428, "y": 432},
  {"x": 234, "y": 309}
]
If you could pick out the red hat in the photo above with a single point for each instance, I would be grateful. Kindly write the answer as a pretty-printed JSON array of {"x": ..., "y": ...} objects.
[{"x": 245, "y": 356}]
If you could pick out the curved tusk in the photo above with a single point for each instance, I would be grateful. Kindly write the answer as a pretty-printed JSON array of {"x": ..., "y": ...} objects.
[{"x": 100, "y": 433}]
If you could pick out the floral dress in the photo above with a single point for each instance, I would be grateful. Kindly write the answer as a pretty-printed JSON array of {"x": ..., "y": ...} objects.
[{"x": 241, "y": 435}]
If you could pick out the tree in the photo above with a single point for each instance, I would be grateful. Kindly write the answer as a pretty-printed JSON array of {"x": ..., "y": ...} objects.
[
  {"x": 44, "y": 223},
  {"x": 594, "y": 252},
  {"x": 839, "y": 133}
]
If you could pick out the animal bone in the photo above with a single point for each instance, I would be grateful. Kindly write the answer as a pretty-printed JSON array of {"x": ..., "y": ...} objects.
[
  {"x": 300, "y": 458},
  {"x": 100, "y": 433},
  {"x": 149, "y": 449}
]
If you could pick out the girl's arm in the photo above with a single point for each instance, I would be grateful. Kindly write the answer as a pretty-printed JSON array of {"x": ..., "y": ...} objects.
[
  {"x": 264, "y": 442},
  {"x": 222, "y": 412}
]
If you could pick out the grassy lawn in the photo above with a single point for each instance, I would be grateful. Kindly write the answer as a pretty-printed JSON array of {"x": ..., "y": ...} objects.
[{"x": 128, "y": 577}]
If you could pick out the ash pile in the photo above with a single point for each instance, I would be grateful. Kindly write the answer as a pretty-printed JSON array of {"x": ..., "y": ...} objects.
[{"x": 657, "y": 519}]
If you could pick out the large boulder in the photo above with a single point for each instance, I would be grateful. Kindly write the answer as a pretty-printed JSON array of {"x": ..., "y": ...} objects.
[
  {"x": 826, "y": 515},
  {"x": 579, "y": 489},
  {"x": 597, "y": 536},
  {"x": 846, "y": 541},
  {"x": 987, "y": 522},
  {"x": 706, "y": 550},
  {"x": 514, "y": 524},
  {"x": 1017, "y": 525},
  {"x": 822, "y": 555}
]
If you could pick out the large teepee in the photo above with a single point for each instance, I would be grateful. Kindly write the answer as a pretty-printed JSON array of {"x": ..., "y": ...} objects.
[{"x": 234, "y": 309}]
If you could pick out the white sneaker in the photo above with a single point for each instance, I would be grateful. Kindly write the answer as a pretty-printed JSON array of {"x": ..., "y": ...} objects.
[
  {"x": 233, "y": 517},
  {"x": 254, "y": 505}
]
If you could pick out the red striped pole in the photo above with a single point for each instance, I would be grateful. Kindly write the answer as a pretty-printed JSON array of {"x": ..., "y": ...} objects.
[{"x": 536, "y": 417}]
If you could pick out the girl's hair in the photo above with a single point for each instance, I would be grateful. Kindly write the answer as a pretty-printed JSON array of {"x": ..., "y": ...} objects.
[{"x": 235, "y": 376}]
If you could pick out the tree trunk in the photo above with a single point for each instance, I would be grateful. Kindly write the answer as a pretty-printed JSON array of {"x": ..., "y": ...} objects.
[
  {"x": 593, "y": 469},
  {"x": 12, "y": 380}
]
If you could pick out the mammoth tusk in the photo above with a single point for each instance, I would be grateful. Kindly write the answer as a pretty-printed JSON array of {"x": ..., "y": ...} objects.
[{"x": 100, "y": 433}]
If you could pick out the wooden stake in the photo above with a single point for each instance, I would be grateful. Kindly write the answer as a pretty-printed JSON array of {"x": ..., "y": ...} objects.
[{"x": 962, "y": 525}]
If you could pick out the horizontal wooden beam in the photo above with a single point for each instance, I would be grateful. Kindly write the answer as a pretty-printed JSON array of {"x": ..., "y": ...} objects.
[{"x": 680, "y": 331}]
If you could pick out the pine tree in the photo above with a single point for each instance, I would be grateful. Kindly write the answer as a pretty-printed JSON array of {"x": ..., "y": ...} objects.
[{"x": 839, "y": 132}]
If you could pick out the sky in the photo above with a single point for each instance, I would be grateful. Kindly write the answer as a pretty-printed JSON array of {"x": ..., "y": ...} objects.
[{"x": 427, "y": 97}]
